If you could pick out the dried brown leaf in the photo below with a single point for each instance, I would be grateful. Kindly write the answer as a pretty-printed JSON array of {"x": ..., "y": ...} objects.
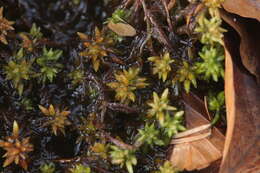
[
  {"x": 122, "y": 29},
  {"x": 242, "y": 145},
  {"x": 201, "y": 152},
  {"x": 248, "y": 31}
]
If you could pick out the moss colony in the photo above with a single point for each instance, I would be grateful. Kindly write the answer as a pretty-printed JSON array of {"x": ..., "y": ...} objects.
[{"x": 95, "y": 85}]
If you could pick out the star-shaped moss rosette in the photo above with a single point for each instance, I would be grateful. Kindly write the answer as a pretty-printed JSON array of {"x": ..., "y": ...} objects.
[
  {"x": 77, "y": 77},
  {"x": 127, "y": 81},
  {"x": 160, "y": 106},
  {"x": 5, "y": 26},
  {"x": 149, "y": 135},
  {"x": 212, "y": 64},
  {"x": 88, "y": 132},
  {"x": 19, "y": 71},
  {"x": 31, "y": 39},
  {"x": 161, "y": 65},
  {"x": 186, "y": 75},
  {"x": 95, "y": 48},
  {"x": 173, "y": 124},
  {"x": 100, "y": 149},
  {"x": 123, "y": 157},
  {"x": 58, "y": 120},
  {"x": 17, "y": 149},
  {"x": 49, "y": 67},
  {"x": 216, "y": 102},
  {"x": 210, "y": 29}
]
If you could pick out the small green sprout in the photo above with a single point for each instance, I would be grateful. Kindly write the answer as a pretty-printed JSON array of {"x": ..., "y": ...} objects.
[
  {"x": 161, "y": 65},
  {"x": 47, "y": 168},
  {"x": 48, "y": 64},
  {"x": 159, "y": 106},
  {"x": 27, "y": 104},
  {"x": 35, "y": 32},
  {"x": 19, "y": 54},
  {"x": 123, "y": 158},
  {"x": 216, "y": 103},
  {"x": 119, "y": 15},
  {"x": 167, "y": 168},
  {"x": 173, "y": 125},
  {"x": 115, "y": 37},
  {"x": 5, "y": 25},
  {"x": 77, "y": 76},
  {"x": 95, "y": 47},
  {"x": 79, "y": 168},
  {"x": 210, "y": 29},
  {"x": 18, "y": 72},
  {"x": 127, "y": 82},
  {"x": 186, "y": 75},
  {"x": 57, "y": 119},
  {"x": 100, "y": 149},
  {"x": 87, "y": 129},
  {"x": 30, "y": 39},
  {"x": 212, "y": 64},
  {"x": 149, "y": 135}
]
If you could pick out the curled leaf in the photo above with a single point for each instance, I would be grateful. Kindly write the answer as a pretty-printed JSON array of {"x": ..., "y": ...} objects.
[
  {"x": 199, "y": 146},
  {"x": 241, "y": 152}
]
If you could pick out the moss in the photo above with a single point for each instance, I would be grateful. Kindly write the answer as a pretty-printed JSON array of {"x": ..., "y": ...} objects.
[{"x": 105, "y": 80}]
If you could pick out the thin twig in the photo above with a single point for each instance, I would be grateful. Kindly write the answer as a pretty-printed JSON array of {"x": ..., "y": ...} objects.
[
  {"x": 119, "y": 143},
  {"x": 206, "y": 107},
  {"x": 162, "y": 36},
  {"x": 167, "y": 15}
]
